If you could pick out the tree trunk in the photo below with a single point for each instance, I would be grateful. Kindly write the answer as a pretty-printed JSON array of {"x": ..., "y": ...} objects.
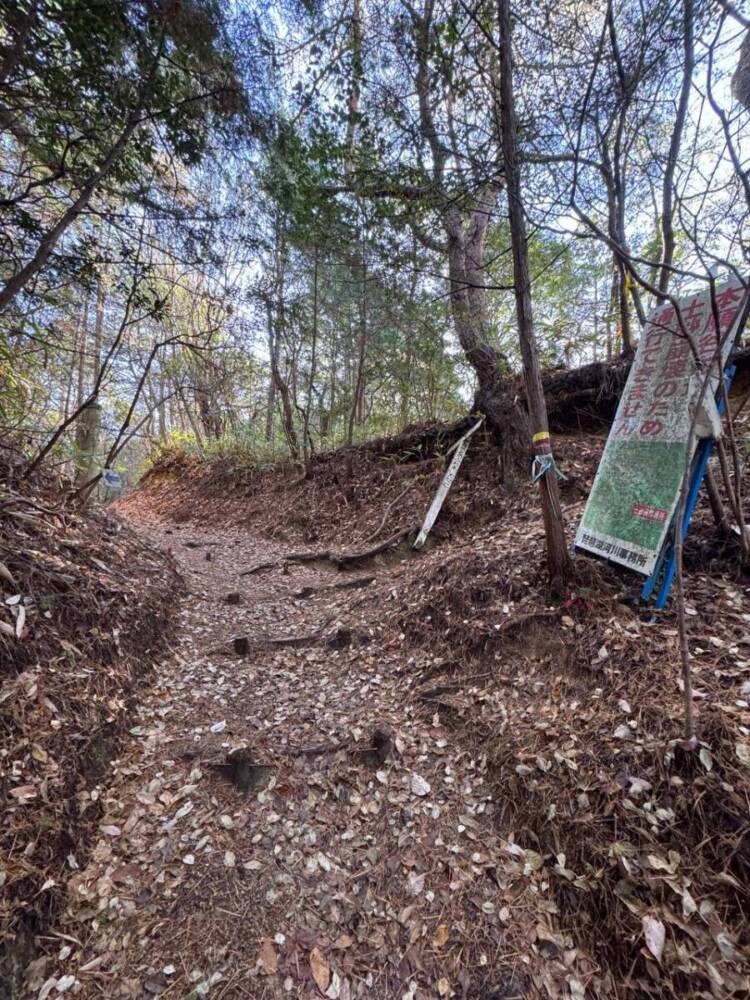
[
  {"x": 667, "y": 227},
  {"x": 79, "y": 335},
  {"x": 89, "y": 422},
  {"x": 558, "y": 560},
  {"x": 357, "y": 412},
  {"x": 308, "y": 443},
  {"x": 161, "y": 409},
  {"x": 468, "y": 298},
  {"x": 624, "y": 304},
  {"x": 96, "y": 360},
  {"x": 277, "y": 320},
  {"x": 271, "y": 395},
  {"x": 614, "y": 298},
  {"x": 87, "y": 440},
  {"x": 191, "y": 421},
  {"x": 282, "y": 388}
]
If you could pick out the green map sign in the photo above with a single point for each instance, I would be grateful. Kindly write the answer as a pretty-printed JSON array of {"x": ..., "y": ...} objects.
[{"x": 637, "y": 485}]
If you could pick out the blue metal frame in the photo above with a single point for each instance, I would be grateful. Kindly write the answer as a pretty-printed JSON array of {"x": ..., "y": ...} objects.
[{"x": 666, "y": 564}]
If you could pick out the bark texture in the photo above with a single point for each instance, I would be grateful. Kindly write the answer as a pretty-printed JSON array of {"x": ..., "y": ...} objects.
[{"x": 558, "y": 560}]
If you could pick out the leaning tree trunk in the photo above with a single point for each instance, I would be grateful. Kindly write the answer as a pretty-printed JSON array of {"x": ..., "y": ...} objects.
[{"x": 495, "y": 395}]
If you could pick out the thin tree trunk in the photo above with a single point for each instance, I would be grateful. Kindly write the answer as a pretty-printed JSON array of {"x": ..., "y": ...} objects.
[
  {"x": 717, "y": 507},
  {"x": 624, "y": 307},
  {"x": 271, "y": 394},
  {"x": 191, "y": 418},
  {"x": 96, "y": 361},
  {"x": 558, "y": 560},
  {"x": 596, "y": 318},
  {"x": 161, "y": 411},
  {"x": 81, "y": 357},
  {"x": 667, "y": 212},
  {"x": 355, "y": 84},
  {"x": 357, "y": 411},
  {"x": 614, "y": 298},
  {"x": 287, "y": 414},
  {"x": 78, "y": 334},
  {"x": 311, "y": 379}
]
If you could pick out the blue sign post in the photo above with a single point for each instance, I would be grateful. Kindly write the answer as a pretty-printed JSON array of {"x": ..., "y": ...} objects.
[
  {"x": 664, "y": 571},
  {"x": 111, "y": 479}
]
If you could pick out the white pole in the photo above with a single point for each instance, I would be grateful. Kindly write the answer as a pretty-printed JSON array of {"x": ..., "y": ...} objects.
[{"x": 462, "y": 446}]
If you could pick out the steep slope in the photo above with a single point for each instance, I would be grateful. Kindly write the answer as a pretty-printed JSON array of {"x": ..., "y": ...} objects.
[{"x": 85, "y": 605}]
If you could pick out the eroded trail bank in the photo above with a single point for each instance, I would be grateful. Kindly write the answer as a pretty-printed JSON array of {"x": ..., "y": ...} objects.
[
  {"x": 439, "y": 784},
  {"x": 358, "y": 858}
]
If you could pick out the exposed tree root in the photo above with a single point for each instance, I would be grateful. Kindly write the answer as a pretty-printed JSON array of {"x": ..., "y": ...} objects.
[
  {"x": 259, "y": 568},
  {"x": 341, "y": 560},
  {"x": 387, "y": 511},
  {"x": 356, "y": 584}
]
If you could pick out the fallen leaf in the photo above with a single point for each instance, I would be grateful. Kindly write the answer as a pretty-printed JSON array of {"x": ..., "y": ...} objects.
[
  {"x": 20, "y": 620},
  {"x": 655, "y": 935},
  {"x": 334, "y": 990},
  {"x": 414, "y": 884},
  {"x": 24, "y": 792},
  {"x": 321, "y": 972},
  {"x": 727, "y": 948},
  {"x": 577, "y": 989},
  {"x": 441, "y": 936},
  {"x": 419, "y": 786},
  {"x": 267, "y": 961}
]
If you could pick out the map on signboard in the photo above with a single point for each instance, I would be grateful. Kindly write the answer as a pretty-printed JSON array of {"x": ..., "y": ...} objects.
[
  {"x": 111, "y": 479},
  {"x": 637, "y": 485}
]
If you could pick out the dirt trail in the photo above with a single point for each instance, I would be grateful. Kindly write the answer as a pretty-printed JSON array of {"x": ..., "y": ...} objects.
[{"x": 339, "y": 873}]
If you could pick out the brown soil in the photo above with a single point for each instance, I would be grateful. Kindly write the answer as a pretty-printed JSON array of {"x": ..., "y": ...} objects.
[{"x": 531, "y": 829}]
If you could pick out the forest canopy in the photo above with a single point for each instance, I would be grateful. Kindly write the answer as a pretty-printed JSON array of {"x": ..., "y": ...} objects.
[{"x": 285, "y": 228}]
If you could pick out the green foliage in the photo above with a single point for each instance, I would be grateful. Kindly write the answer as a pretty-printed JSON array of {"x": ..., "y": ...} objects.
[{"x": 76, "y": 73}]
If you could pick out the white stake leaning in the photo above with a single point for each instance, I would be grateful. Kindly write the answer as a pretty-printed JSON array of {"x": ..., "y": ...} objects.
[{"x": 461, "y": 446}]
